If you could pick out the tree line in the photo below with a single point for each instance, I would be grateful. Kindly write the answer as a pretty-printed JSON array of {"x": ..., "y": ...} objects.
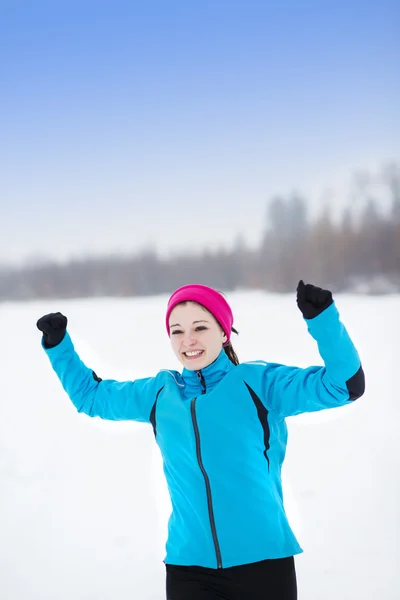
[{"x": 359, "y": 251}]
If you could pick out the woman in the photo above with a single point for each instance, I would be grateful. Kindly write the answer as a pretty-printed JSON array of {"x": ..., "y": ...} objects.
[{"x": 221, "y": 429}]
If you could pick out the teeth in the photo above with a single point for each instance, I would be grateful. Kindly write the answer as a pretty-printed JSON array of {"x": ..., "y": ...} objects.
[{"x": 195, "y": 353}]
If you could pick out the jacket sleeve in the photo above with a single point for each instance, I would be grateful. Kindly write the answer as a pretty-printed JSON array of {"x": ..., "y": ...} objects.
[
  {"x": 292, "y": 390},
  {"x": 107, "y": 399}
]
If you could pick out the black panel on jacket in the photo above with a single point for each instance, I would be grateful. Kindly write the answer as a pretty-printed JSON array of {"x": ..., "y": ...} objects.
[
  {"x": 356, "y": 385},
  {"x": 263, "y": 416},
  {"x": 153, "y": 413}
]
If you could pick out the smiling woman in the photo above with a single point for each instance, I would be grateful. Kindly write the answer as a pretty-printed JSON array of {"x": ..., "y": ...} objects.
[
  {"x": 185, "y": 318},
  {"x": 196, "y": 341},
  {"x": 221, "y": 429}
]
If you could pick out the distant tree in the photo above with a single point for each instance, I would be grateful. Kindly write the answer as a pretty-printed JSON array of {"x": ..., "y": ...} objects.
[
  {"x": 273, "y": 245},
  {"x": 284, "y": 247},
  {"x": 371, "y": 242},
  {"x": 324, "y": 255},
  {"x": 391, "y": 177},
  {"x": 346, "y": 248},
  {"x": 298, "y": 259}
]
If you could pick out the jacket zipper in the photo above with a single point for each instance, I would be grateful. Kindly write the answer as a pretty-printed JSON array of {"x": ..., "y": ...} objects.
[{"x": 206, "y": 478}]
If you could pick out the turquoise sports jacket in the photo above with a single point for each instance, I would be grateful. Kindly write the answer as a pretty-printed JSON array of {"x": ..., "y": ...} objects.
[{"x": 222, "y": 435}]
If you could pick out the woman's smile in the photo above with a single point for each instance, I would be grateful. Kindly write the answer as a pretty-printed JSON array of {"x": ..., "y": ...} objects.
[{"x": 193, "y": 354}]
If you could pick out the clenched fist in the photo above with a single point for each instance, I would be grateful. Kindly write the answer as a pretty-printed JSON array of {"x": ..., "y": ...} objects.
[
  {"x": 312, "y": 300},
  {"x": 53, "y": 326}
]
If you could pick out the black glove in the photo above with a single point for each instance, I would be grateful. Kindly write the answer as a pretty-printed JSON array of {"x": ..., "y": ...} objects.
[
  {"x": 312, "y": 300},
  {"x": 53, "y": 326}
]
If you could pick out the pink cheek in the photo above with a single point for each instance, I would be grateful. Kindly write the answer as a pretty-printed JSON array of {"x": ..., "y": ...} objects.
[{"x": 177, "y": 346}]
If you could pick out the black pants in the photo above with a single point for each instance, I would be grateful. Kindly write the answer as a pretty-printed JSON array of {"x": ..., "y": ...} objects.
[{"x": 266, "y": 580}]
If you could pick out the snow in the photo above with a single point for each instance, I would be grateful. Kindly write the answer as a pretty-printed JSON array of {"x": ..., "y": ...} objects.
[{"x": 83, "y": 502}]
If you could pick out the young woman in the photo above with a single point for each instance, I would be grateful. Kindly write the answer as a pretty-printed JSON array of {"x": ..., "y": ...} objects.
[{"x": 221, "y": 429}]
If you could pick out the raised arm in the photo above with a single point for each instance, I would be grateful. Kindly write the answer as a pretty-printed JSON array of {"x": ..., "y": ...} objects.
[
  {"x": 292, "y": 390},
  {"x": 107, "y": 399}
]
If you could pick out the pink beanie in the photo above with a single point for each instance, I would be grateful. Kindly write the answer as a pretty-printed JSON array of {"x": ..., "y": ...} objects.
[{"x": 207, "y": 297}]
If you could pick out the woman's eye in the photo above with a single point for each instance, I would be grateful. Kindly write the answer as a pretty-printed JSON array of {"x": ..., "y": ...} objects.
[{"x": 198, "y": 328}]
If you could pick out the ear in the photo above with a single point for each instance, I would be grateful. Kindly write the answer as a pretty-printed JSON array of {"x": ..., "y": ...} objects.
[{"x": 224, "y": 338}]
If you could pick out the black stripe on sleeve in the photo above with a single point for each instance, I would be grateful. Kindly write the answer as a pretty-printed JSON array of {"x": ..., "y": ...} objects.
[
  {"x": 153, "y": 413},
  {"x": 356, "y": 384}
]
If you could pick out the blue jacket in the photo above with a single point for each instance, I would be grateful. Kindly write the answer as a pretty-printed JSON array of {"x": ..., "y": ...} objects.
[{"x": 222, "y": 435}]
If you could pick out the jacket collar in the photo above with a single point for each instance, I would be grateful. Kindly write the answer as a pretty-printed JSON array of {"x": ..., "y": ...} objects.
[{"x": 198, "y": 382}]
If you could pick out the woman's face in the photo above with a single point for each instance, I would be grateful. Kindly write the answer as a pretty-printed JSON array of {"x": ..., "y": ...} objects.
[{"x": 196, "y": 336}]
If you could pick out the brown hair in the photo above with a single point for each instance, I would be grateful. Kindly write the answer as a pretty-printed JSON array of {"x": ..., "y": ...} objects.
[{"x": 229, "y": 351}]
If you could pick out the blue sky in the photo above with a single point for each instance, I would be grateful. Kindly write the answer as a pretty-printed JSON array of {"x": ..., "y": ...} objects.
[{"x": 162, "y": 124}]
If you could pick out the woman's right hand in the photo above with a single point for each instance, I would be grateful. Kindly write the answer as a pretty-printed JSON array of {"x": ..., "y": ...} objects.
[{"x": 53, "y": 326}]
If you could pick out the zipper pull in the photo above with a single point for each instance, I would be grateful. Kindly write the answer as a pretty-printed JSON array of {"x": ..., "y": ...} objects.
[{"x": 202, "y": 381}]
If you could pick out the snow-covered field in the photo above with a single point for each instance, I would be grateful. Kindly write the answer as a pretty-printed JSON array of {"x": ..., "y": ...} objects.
[{"x": 83, "y": 504}]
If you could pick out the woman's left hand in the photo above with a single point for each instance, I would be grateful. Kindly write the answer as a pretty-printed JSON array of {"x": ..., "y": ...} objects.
[{"x": 312, "y": 300}]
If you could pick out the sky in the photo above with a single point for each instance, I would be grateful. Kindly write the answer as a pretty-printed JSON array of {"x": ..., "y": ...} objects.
[
  {"x": 131, "y": 125},
  {"x": 83, "y": 502}
]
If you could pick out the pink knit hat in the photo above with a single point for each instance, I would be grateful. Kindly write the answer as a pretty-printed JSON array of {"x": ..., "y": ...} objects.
[{"x": 207, "y": 297}]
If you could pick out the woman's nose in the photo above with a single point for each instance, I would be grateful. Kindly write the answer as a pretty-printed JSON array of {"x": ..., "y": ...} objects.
[{"x": 188, "y": 339}]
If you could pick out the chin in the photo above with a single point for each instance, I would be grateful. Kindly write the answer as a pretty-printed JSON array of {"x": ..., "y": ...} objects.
[{"x": 194, "y": 366}]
